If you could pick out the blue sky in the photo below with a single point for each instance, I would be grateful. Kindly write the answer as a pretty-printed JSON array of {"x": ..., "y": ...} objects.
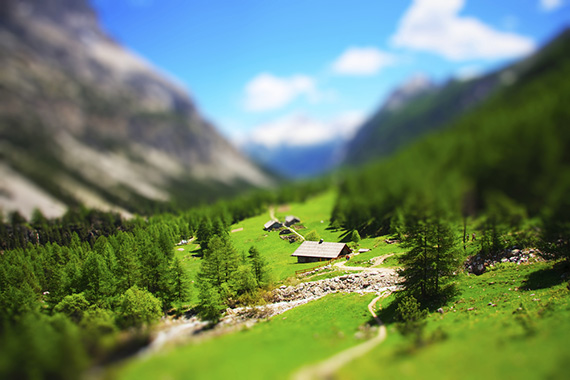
[{"x": 263, "y": 71}]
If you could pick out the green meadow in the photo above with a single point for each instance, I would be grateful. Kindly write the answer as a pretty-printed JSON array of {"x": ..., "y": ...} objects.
[
  {"x": 272, "y": 349},
  {"x": 511, "y": 322}
]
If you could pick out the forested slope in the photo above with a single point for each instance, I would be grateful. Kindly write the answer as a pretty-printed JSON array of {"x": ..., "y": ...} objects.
[
  {"x": 400, "y": 122},
  {"x": 509, "y": 156}
]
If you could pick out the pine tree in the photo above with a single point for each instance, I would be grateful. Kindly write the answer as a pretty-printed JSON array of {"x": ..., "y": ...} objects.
[
  {"x": 180, "y": 284},
  {"x": 211, "y": 304},
  {"x": 432, "y": 254},
  {"x": 258, "y": 266},
  {"x": 128, "y": 266},
  {"x": 96, "y": 279},
  {"x": 204, "y": 233}
]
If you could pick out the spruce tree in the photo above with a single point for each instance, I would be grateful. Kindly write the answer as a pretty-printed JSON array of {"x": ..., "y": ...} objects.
[
  {"x": 204, "y": 233},
  {"x": 258, "y": 266},
  {"x": 180, "y": 284}
]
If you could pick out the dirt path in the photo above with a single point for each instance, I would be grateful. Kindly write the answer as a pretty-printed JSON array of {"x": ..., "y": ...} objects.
[
  {"x": 272, "y": 217},
  {"x": 377, "y": 261},
  {"x": 327, "y": 368}
]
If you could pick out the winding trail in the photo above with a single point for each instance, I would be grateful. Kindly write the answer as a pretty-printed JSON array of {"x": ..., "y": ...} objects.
[
  {"x": 272, "y": 217},
  {"x": 327, "y": 368},
  {"x": 377, "y": 261}
]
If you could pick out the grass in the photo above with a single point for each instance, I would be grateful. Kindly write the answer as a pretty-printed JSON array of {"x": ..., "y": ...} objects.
[
  {"x": 275, "y": 251},
  {"x": 313, "y": 213},
  {"x": 191, "y": 263},
  {"x": 378, "y": 247},
  {"x": 272, "y": 349},
  {"x": 488, "y": 341}
]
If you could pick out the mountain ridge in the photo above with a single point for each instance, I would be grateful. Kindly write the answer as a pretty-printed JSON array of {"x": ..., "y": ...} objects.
[
  {"x": 392, "y": 128},
  {"x": 89, "y": 122}
]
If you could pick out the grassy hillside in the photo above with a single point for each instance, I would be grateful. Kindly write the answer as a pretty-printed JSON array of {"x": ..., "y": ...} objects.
[
  {"x": 513, "y": 321},
  {"x": 270, "y": 350},
  {"x": 314, "y": 214},
  {"x": 523, "y": 336}
]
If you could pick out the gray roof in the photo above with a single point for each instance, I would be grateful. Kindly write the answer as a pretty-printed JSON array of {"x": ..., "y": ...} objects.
[
  {"x": 290, "y": 218},
  {"x": 323, "y": 250},
  {"x": 271, "y": 223}
]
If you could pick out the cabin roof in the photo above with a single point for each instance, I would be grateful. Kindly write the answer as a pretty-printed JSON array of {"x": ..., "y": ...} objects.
[
  {"x": 323, "y": 250},
  {"x": 290, "y": 218},
  {"x": 270, "y": 223}
]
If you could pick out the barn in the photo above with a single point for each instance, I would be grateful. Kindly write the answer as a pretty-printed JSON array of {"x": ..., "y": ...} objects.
[
  {"x": 272, "y": 225},
  {"x": 290, "y": 220},
  {"x": 310, "y": 251}
]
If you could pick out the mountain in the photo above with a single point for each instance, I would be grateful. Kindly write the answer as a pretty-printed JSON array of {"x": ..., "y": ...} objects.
[
  {"x": 503, "y": 161},
  {"x": 297, "y": 161},
  {"x": 85, "y": 121},
  {"x": 419, "y": 107}
]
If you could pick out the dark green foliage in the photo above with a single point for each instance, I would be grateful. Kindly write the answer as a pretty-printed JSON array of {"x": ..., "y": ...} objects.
[
  {"x": 205, "y": 233},
  {"x": 312, "y": 235},
  {"x": 258, "y": 266},
  {"x": 243, "y": 280},
  {"x": 138, "y": 308},
  {"x": 42, "y": 347},
  {"x": 433, "y": 255},
  {"x": 179, "y": 282},
  {"x": 73, "y": 306},
  {"x": 211, "y": 304},
  {"x": 355, "y": 236},
  {"x": 96, "y": 279},
  {"x": 226, "y": 277},
  {"x": 411, "y": 318}
]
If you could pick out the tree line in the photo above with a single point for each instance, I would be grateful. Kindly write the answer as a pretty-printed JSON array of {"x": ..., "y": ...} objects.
[{"x": 70, "y": 284}]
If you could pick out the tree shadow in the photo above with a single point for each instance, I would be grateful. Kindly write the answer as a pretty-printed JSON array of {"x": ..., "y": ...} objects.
[
  {"x": 387, "y": 314},
  {"x": 548, "y": 277},
  {"x": 345, "y": 237},
  {"x": 446, "y": 294}
]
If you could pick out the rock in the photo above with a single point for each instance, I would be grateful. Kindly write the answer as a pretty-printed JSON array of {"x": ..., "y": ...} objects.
[{"x": 479, "y": 269}]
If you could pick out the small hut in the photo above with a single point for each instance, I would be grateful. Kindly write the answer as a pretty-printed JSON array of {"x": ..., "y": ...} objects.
[
  {"x": 290, "y": 220},
  {"x": 272, "y": 225},
  {"x": 310, "y": 251}
]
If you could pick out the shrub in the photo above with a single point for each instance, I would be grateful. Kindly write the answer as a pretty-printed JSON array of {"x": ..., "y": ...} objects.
[
  {"x": 312, "y": 235},
  {"x": 139, "y": 307}
]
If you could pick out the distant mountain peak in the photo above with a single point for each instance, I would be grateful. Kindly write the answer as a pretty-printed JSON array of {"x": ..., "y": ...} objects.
[{"x": 416, "y": 85}]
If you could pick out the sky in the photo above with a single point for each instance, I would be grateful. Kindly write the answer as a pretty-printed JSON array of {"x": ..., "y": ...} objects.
[{"x": 304, "y": 72}]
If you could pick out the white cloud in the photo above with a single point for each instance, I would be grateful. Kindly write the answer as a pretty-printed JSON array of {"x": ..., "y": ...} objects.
[
  {"x": 302, "y": 130},
  {"x": 267, "y": 92},
  {"x": 362, "y": 61},
  {"x": 435, "y": 26},
  {"x": 550, "y": 5}
]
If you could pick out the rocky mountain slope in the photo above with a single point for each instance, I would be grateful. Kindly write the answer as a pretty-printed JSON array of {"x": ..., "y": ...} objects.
[{"x": 85, "y": 121}]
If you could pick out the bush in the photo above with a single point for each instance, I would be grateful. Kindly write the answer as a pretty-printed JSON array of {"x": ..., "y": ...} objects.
[
  {"x": 312, "y": 235},
  {"x": 74, "y": 306},
  {"x": 355, "y": 236},
  {"x": 138, "y": 308},
  {"x": 411, "y": 319}
]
